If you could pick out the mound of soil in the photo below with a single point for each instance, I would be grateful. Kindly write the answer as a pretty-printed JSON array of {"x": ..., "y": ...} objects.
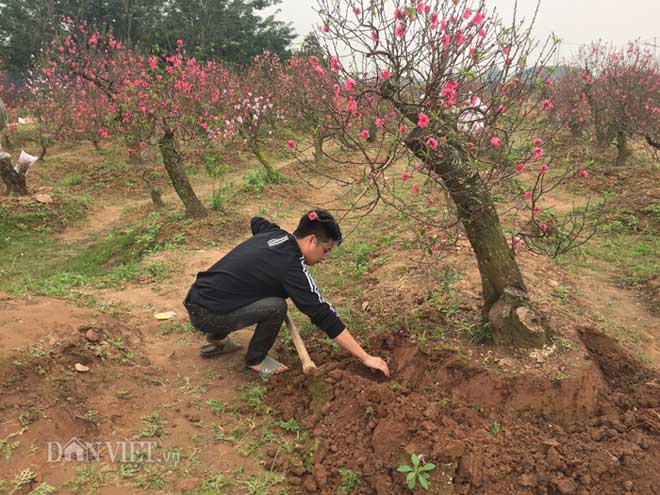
[{"x": 596, "y": 431}]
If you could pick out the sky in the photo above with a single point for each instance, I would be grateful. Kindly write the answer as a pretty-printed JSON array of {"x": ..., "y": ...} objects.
[{"x": 576, "y": 22}]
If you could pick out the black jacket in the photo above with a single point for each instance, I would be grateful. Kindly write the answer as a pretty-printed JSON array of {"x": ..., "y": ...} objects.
[{"x": 269, "y": 264}]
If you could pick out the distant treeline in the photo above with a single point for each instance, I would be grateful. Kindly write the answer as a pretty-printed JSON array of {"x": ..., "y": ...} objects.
[{"x": 227, "y": 30}]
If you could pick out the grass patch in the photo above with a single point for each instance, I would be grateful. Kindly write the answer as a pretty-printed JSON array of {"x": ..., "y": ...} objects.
[
  {"x": 155, "y": 426},
  {"x": 214, "y": 484},
  {"x": 633, "y": 257},
  {"x": 27, "y": 217},
  {"x": 257, "y": 180},
  {"x": 88, "y": 479},
  {"x": 177, "y": 328},
  {"x": 35, "y": 262}
]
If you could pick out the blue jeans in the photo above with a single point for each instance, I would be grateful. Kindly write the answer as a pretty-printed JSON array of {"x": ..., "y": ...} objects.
[{"x": 267, "y": 313}]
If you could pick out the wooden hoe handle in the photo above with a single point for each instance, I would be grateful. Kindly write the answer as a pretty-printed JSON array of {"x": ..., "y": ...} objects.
[{"x": 307, "y": 363}]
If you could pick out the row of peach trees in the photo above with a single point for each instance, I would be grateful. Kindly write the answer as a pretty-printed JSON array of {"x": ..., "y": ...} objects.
[
  {"x": 452, "y": 90},
  {"x": 92, "y": 87},
  {"x": 610, "y": 95}
]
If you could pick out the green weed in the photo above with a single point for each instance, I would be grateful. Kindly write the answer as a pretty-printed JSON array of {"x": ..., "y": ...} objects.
[
  {"x": 72, "y": 180},
  {"x": 155, "y": 426},
  {"x": 7, "y": 448},
  {"x": 218, "y": 406},
  {"x": 262, "y": 484},
  {"x": 253, "y": 396},
  {"x": 151, "y": 477},
  {"x": 88, "y": 479},
  {"x": 43, "y": 489},
  {"x": 567, "y": 345},
  {"x": 220, "y": 435},
  {"x": 212, "y": 485},
  {"x": 478, "y": 333},
  {"x": 290, "y": 425},
  {"x": 256, "y": 180},
  {"x": 417, "y": 472},
  {"x": 362, "y": 255},
  {"x": 349, "y": 480},
  {"x": 220, "y": 196},
  {"x": 177, "y": 328},
  {"x": 214, "y": 167}
]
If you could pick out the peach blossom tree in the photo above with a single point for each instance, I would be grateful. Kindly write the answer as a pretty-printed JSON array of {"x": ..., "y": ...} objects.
[
  {"x": 461, "y": 97},
  {"x": 149, "y": 100},
  {"x": 614, "y": 94}
]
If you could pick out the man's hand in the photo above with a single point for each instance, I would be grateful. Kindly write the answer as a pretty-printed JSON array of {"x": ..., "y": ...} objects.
[
  {"x": 346, "y": 341},
  {"x": 376, "y": 363}
]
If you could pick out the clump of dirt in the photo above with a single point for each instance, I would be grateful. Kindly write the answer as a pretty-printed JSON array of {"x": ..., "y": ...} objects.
[{"x": 595, "y": 431}]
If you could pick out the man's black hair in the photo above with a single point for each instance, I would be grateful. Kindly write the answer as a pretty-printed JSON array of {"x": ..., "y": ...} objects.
[{"x": 320, "y": 223}]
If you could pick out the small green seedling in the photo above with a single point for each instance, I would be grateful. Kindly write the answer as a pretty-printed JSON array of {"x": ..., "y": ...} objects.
[
  {"x": 418, "y": 472},
  {"x": 349, "y": 480}
]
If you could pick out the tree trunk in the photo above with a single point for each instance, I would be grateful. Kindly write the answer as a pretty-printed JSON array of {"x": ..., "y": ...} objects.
[
  {"x": 4, "y": 122},
  {"x": 317, "y": 135},
  {"x": 15, "y": 182},
  {"x": 576, "y": 130},
  {"x": 373, "y": 132},
  {"x": 603, "y": 137},
  {"x": 5, "y": 143},
  {"x": 270, "y": 171},
  {"x": 504, "y": 292},
  {"x": 4, "y": 118},
  {"x": 623, "y": 152},
  {"x": 177, "y": 174},
  {"x": 154, "y": 192}
]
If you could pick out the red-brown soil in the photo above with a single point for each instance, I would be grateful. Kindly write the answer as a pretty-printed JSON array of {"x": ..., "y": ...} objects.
[{"x": 595, "y": 432}]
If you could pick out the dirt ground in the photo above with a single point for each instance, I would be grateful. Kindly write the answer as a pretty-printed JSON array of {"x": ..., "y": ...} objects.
[
  {"x": 597, "y": 431},
  {"x": 578, "y": 420}
]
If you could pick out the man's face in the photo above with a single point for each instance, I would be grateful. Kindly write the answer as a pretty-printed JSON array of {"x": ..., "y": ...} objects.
[{"x": 314, "y": 251}]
